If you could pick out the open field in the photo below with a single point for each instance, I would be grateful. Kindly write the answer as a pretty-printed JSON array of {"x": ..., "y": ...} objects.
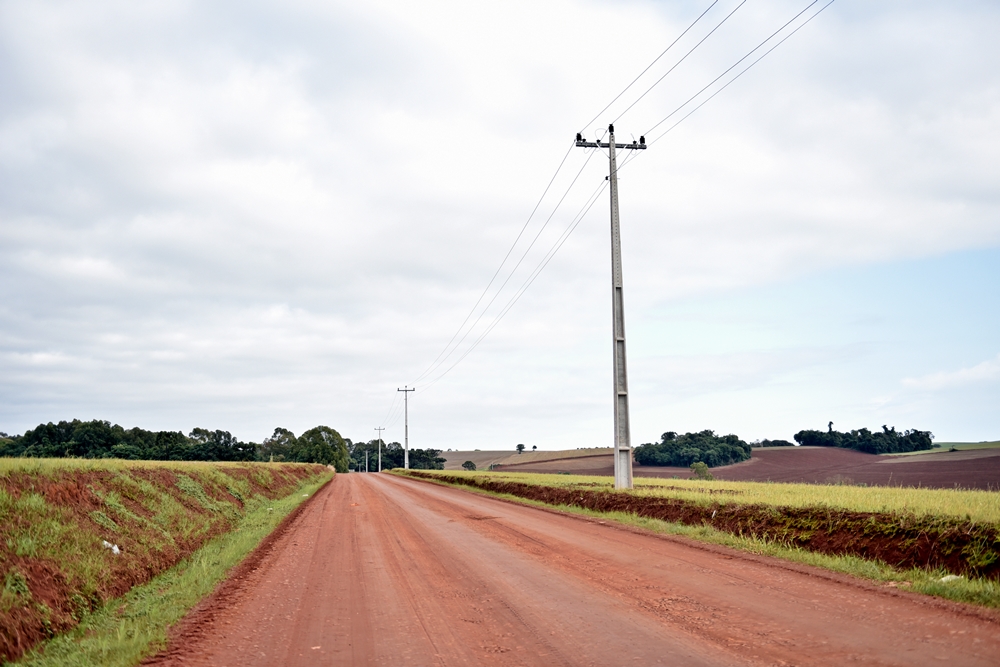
[
  {"x": 77, "y": 534},
  {"x": 442, "y": 576},
  {"x": 454, "y": 460},
  {"x": 957, "y": 446},
  {"x": 971, "y": 468}
]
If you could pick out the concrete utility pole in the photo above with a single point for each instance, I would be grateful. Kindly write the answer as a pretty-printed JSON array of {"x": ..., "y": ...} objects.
[
  {"x": 623, "y": 438},
  {"x": 406, "y": 426},
  {"x": 380, "y": 429}
]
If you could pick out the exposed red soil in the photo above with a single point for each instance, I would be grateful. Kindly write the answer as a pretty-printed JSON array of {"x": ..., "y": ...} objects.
[
  {"x": 976, "y": 469},
  {"x": 957, "y": 546},
  {"x": 380, "y": 570},
  {"x": 58, "y": 597}
]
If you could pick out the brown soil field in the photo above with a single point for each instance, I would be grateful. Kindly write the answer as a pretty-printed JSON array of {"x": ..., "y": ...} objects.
[
  {"x": 482, "y": 459},
  {"x": 381, "y": 570},
  {"x": 970, "y": 469}
]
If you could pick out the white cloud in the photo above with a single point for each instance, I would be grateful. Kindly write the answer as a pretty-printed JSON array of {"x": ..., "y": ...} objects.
[
  {"x": 276, "y": 214},
  {"x": 986, "y": 371}
]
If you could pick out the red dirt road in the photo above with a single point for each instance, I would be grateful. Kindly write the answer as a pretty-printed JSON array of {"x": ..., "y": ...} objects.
[{"x": 378, "y": 570}]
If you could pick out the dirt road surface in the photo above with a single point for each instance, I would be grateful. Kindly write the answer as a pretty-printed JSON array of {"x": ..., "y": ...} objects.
[{"x": 378, "y": 570}]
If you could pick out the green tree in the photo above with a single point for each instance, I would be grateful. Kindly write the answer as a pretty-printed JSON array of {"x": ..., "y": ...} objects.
[
  {"x": 278, "y": 447},
  {"x": 700, "y": 471},
  {"x": 321, "y": 445},
  {"x": 520, "y": 448},
  {"x": 683, "y": 450},
  {"x": 469, "y": 465}
]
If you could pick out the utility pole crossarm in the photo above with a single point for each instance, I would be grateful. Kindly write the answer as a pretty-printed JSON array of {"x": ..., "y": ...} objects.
[{"x": 635, "y": 145}]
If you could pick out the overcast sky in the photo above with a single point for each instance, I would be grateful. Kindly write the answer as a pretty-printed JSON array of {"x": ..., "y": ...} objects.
[{"x": 242, "y": 215}]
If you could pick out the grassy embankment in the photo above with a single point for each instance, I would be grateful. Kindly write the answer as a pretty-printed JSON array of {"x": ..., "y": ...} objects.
[
  {"x": 179, "y": 527},
  {"x": 954, "y": 447},
  {"x": 904, "y": 537}
]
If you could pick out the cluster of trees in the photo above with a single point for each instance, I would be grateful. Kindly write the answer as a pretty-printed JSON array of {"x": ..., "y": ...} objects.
[
  {"x": 773, "y": 443},
  {"x": 889, "y": 441},
  {"x": 683, "y": 450},
  {"x": 100, "y": 439},
  {"x": 392, "y": 456}
]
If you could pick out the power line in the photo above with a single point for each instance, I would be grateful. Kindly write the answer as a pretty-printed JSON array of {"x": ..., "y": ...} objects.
[
  {"x": 514, "y": 270},
  {"x": 504, "y": 261},
  {"x": 655, "y": 60},
  {"x": 744, "y": 71},
  {"x": 729, "y": 69},
  {"x": 719, "y": 25},
  {"x": 750, "y": 53},
  {"x": 445, "y": 353},
  {"x": 574, "y": 222}
]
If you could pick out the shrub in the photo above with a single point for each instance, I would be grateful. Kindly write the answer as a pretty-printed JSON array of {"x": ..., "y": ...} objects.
[
  {"x": 469, "y": 465},
  {"x": 700, "y": 471}
]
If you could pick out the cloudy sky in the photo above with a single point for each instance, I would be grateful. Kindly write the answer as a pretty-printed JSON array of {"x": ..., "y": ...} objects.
[{"x": 247, "y": 215}]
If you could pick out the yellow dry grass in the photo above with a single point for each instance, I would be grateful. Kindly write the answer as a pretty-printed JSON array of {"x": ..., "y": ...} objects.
[{"x": 976, "y": 505}]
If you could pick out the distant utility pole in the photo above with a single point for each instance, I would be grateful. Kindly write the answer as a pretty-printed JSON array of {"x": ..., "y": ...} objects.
[
  {"x": 380, "y": 429},
  {"x": 406, "y": 426},
  {"x": 366, "y": 460},
  {"x": 623, "y": 438}
]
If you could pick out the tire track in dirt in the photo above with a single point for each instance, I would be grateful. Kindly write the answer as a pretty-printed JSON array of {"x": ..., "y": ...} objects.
[{"x": 379, "y": 570}]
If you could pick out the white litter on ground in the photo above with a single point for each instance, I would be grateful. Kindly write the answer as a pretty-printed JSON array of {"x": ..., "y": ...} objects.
[
  {"x": 951, "y": 577},
  {"x": 114, "y": 547}
]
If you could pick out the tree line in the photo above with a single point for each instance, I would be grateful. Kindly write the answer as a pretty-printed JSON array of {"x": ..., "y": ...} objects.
[
  {"x": 99, "y": 439},
  {"x": 714, "y": 450},
  {"x": 889, "y": 441}
]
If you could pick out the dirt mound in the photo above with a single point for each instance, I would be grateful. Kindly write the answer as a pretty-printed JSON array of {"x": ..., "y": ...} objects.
[
  {"x": 60, "y": 525},
  {"x": 958, "y": 546}
]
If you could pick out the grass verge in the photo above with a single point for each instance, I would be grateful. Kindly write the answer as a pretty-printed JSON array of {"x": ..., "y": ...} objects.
[
  {"x": 971, "y": 590},
  {"x": 973, "y": 505},
  {"x": 125, "y": 630}
]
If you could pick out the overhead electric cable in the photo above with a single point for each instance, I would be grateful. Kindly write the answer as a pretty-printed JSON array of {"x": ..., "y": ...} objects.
[
  {"x": 504, "y": 261},
  {"x": 574, "y": 222},
  {"x": 744, "y": 71},
  {"x": 719, "y": 25},
  {"x": 723, "y": 87},
  {"x": 445, "y": 354},
  {"x": 750, "y": 53},
  {"x": 655, "y": 60},
  {"x": 516, "y": 266}
]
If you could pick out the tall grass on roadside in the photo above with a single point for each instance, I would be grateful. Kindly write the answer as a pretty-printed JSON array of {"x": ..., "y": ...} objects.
[
  {"x": 981, "y": 506},
  {"x": 76, "y": 533},
  {"x": 127, "y": 629}
]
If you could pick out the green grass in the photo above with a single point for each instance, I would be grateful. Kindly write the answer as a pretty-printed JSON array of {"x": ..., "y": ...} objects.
[
  {"x": 125, "y": 630},
  {"x": 56, "y": 515},
  {"x": 981, "y": 506},
  {"x": 965, "y": 446},
  {"x": 975, "y": 591}
]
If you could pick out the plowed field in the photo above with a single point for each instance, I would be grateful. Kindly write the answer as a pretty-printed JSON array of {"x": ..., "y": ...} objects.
[
  {"x": 380, "y": 570},
  {"x": 973, "y": 469}
]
